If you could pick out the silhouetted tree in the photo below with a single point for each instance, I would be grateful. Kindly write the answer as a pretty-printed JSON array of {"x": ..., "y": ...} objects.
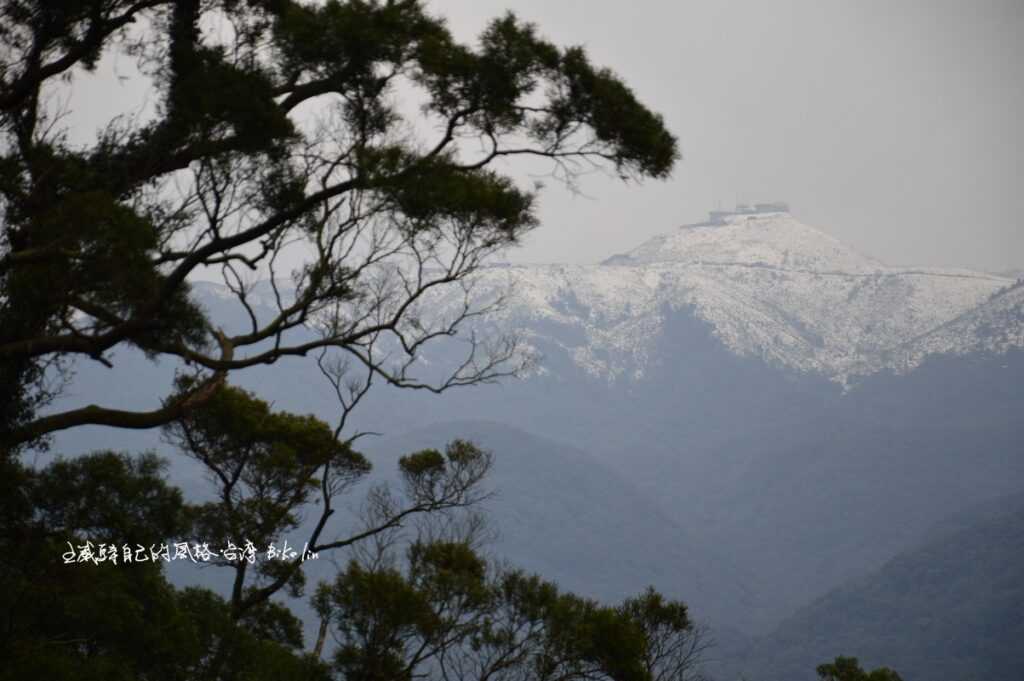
[
  {"x": 849, "y": 669},
  {"x": 352, "y": 145},
  {"x": 440, "y": 610},
  {"x": 357, "y": 140},
  {"x": 444, "y": 612}
]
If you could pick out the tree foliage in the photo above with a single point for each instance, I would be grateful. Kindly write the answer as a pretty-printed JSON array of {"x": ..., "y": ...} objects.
[
  {"x": 89, "y": 621},
  {"x": 444, "y": 612},
  {"x": 849, "y": 669},
  {"x": 282, "y": 144},
  {"x": 440, "y": 609},
  {"x": 269, "y": 468}
]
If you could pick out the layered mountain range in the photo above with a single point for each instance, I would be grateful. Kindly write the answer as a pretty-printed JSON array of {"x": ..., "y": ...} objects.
[{"x": 744, "y": 412}]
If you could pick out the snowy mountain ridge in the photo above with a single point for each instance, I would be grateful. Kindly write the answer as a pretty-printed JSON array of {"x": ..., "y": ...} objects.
[{"x": 770, "y": 287}]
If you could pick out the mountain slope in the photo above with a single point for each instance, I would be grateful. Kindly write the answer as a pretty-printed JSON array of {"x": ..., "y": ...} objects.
[
  {"x": 563, "y": 515},
  {"x": 949, "y": 609},
  {"x": 994, "y": 327}
]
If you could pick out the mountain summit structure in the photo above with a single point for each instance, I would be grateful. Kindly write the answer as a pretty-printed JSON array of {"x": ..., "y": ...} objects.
[{"x": 719, "y": 217}]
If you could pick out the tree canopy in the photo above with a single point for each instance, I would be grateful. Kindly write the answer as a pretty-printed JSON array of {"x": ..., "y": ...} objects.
[
  {"x": 84, "y": 592},
  {"x": 450, "y": 615},
  {"x": 849, "y": 669},
  {"x": 352, "y": 155},
  {"x": 348, "y": 152}
]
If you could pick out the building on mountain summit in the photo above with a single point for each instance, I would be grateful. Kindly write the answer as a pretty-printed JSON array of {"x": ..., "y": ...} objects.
[{"x": 719, "y": 217}]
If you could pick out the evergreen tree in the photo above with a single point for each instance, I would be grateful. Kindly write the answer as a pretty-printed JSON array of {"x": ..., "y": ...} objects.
[
  {"x": 278, "y": 131},
  {"x": 278, "y": 125},
  {"x": 443, "y": 612},
  {"x": 849, "y": 669}
]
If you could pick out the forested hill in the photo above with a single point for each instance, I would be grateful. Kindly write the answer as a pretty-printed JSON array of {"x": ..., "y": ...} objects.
[{"x": 950, "y": 610}]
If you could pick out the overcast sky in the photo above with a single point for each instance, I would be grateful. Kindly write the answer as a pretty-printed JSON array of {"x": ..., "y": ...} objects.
[{"x": 895, "y": 125}]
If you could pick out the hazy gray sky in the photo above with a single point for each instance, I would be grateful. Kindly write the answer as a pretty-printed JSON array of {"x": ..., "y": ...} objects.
[{"x": 895, "y": 126}]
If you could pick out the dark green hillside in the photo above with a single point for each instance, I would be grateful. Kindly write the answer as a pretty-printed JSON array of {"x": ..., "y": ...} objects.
[{"x": 951, "y": 610}]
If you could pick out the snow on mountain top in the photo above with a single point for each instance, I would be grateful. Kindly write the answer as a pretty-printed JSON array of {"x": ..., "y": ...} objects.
[
  {"x": 769, "y": 286},
  {"x": 762, "y": 239},
  {"x": 774, "y": 239}
]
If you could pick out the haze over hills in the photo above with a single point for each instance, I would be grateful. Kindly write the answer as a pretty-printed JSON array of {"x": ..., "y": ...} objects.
[
  {"x": 788, "y": 414},
  {"x": 947, "y": 609},
  {"x": 559, "y": 513}
]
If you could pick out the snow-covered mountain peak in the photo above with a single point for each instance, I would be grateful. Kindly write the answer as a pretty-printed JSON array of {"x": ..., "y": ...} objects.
[
  {"x": 767, "y": 285},
  {"x": 756, "y": 239}
]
